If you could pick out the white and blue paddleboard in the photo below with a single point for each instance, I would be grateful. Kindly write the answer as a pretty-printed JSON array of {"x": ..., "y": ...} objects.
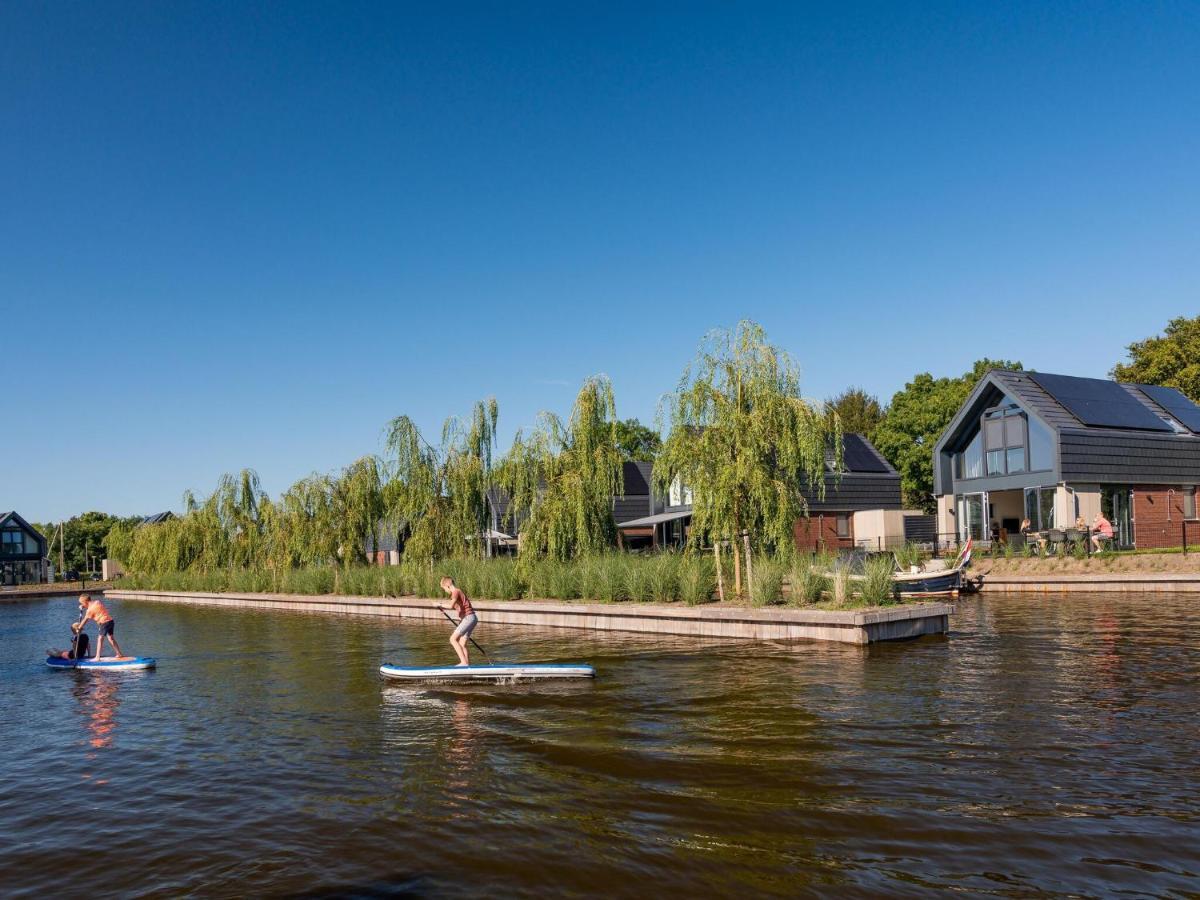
[
  {"x": 107, "y": 663},
  {"x": 488, "y": 673}
]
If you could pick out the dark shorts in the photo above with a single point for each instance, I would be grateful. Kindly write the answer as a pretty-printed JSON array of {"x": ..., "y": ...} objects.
[{"x": 106, "y": 630}]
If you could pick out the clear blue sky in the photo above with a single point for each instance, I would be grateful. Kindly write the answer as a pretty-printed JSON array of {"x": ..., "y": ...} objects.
[{"x": 249, "y": 234}]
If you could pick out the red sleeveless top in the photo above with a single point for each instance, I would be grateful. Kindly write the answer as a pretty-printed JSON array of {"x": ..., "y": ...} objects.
[{"x": 460, "y": 604}]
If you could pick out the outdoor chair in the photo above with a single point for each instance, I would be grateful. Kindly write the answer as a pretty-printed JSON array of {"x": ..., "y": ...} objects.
[
  {"x": 1055, "y": 539},
  {"x": 1016, "y": 541}
]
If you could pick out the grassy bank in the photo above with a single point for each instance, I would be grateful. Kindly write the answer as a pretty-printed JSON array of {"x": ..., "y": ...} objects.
[
  {"x": 608, "y": 578},
  {"x": 1128, "y": 563}
]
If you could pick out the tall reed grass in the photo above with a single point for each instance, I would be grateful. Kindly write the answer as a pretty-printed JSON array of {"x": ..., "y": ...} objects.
[{"x": 600, "y": 578}]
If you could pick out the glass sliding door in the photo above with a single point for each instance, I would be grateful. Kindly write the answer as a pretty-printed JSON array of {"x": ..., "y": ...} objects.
[
  {"x": 972, "y": 517},
  {"x": 1039, "y": 507}
]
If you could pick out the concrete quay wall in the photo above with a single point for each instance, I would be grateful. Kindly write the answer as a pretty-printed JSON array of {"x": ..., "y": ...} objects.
[
  {"x": 843, "y": 626},
  {"x": 1091, "y": 584}
]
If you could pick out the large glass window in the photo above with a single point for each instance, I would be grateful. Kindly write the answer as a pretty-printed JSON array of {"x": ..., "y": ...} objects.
[
  {"x": 1041, "y": 447},
  {"x": 1004, "y": 439},
  {"x": 973, "y": 458},
  {"x": 12, "y": 543},
  {"x": 1007, "y": 443}
]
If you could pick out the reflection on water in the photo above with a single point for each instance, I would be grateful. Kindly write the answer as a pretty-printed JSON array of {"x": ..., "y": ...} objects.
[
  {"x": 98, "y": 698},
  {"x": 1044, "y": 746}
]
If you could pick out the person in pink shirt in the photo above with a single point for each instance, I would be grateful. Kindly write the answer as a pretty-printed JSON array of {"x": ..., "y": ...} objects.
[{"x": 1102, "y": 531}]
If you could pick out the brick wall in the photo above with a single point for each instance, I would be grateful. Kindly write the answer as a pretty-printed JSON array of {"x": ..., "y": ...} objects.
[
  {"x": 820, "y": 532},
  {"x": 1150, "y": 526}
]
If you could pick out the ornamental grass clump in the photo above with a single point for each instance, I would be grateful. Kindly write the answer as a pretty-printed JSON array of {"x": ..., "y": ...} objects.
[
  {"x": 908, "y": 555},
  {"x": 877, "y": 585},
  {"x": 639, "y": 579},
  {"x": 664, "y": 578},
  {"x": 613, "y": 578},
  {"x": 552, "y": 579},
  {"x": 697, "y": 579},
  {"x": 602, "y": 577},
  {"x": 501, "y": 580},
  {"x": 810, "y": 580},
  {"x": 766, "y": 585}
]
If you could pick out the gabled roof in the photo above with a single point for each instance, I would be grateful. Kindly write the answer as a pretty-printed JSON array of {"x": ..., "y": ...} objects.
[
  {"x": 1052, "y": 401},
  {"x": 157, "y": 518},
  {"x": 11, "y": 518},
  {"x": 637, "y": 478}
]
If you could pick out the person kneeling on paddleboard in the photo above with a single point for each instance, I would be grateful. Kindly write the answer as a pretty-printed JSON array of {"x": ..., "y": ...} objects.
[
  {"x": 80, "y": 644},
  {"x": 93, "y": 609},
  {"x": 467, "y": 619}
]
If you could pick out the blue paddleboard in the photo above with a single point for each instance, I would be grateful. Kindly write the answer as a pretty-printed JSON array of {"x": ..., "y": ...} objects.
[
  {"x": 106, "y": 663},
  {"x": 489, "y": 672}
]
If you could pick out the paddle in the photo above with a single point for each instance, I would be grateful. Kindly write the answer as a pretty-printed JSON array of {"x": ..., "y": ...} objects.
[{"x": 469, "y": 638}]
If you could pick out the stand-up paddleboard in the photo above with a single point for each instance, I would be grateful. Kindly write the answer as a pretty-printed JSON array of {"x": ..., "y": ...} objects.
[
  {"x": 107, "y": 663},
  {"x": 488, "y": 673}
]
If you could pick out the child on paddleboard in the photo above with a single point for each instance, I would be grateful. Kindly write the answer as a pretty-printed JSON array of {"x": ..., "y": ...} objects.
[
  {"x": 467, "y": 619},
  {"x": 95, "y": 611}
]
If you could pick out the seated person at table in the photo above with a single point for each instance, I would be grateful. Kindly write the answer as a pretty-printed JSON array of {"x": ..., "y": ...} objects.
[
  {"x": 1103, "y": 532},
  {"x": 1031, "y": 535},
  {"x": 80, "y": 644}
]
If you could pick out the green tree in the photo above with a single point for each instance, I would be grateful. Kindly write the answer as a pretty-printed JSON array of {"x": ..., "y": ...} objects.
[
  {"x": 564, "y": 475},
  {"x": 1171, "y": 359},
  {"x": 83, "y": 539},
  {"x": 636, "y": 442},
  {"x": 440, "y": 494},
  {"x": 860, "y": 413},
  {"x": 915, "y": 420},
  {"x": 745, "y": 442}
]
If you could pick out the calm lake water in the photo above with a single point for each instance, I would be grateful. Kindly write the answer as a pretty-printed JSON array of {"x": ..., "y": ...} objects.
[{"x": 1043, "y": 746}]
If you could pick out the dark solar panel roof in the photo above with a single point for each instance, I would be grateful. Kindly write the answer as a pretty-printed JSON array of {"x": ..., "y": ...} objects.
[
  {"x": 1100, "y": 403},
  {"x": 858, "y": 456},
  {"x": 1176, "y": 403}
]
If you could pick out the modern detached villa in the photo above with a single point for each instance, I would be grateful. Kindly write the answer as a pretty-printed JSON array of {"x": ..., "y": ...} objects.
[
  {"x": 860, "y": 507},
  {"x": 22, "y": 551},
  {"x": 1053, "y": 448}
]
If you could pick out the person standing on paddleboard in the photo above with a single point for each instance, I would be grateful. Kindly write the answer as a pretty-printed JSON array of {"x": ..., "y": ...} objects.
[
  {"x": 93, "y": 609},
  {"x": 467, "y": 619}
]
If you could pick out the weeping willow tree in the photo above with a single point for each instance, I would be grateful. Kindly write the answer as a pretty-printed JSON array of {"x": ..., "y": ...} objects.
[
  {"x": 564, "y": 476},
  {"x": 440, "y": 494},
  {"x": 745, "y": 442},
  {"x": 227, "y": 529}
]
